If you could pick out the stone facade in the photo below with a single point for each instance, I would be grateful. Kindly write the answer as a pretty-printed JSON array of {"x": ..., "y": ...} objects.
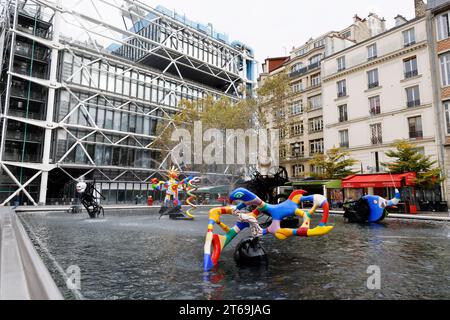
[{"x": 301, "y": 121}]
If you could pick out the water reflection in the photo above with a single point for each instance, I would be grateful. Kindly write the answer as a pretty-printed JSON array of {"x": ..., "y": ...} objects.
[{"x": 141, "y": 257}]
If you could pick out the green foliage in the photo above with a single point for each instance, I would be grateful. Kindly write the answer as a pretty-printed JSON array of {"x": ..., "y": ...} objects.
[
  {"x": 275, "y": 88},
  {"x": 408, "y": 159},
  {"x": 335, "y": 164},
  {"x": 220, "y": 114},
  {"x": 272, "y": 95}
]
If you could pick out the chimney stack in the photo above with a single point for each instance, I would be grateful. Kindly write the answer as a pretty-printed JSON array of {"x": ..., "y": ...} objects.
[{"x": 420, "y": 7}]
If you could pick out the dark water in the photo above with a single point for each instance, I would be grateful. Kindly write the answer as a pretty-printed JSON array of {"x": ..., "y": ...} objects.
[{"x": 141, "y": 257}]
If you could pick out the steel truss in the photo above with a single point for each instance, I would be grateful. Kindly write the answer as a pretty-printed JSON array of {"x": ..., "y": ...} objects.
[{"x": 232, "y": 72}]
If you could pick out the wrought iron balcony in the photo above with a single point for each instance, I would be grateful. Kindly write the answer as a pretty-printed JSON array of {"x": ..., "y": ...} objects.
[
  {"x": 414, "y": 103},
  {"x": 342, "y": 94},
  {"x": 377, "y": 140},
  {"x": 416, "y": 134},
  {"x": 375, "y": 110},
  {"x": 411, "y": 74},
  {"x": 297, "y": 155},
  {"x": 315, "y": 153},
  {"x": 343, "y": 118},
  {"x": 374, "y": 85},
  {"x": 304, "y": 70},
  {"x": 311, "y": 107}
]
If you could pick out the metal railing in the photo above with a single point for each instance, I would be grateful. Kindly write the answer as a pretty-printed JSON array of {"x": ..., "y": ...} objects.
[
  {"x": 297, "y": 155},
  {"x": 409, "y": 44},
  {"x": 411, "y": 74},
  {"x": 412, "y": 104},
  {"x": 315, "y": 153},
  {"x": 343, "y": 118},
  {"x": 342, "y": 93},
  {"x": 377, "y": 140},
  {"x": 304, "y": 70},
  {"x": 374, "y": 85},
  {"x": 415, "y": 134},
  {"x": 375, "y": 111}
]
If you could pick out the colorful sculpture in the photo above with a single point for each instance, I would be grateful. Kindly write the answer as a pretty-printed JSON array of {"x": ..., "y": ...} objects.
[
  {"x": 214, "y": 243},
  {"x": 370, "y": 208},
  {"x": 318, "y": 201},
  {"x": 172, "y": 205}
]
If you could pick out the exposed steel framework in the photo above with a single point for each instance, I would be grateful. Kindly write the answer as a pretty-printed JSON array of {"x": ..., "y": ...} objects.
[{"x": 86, "y": 82}]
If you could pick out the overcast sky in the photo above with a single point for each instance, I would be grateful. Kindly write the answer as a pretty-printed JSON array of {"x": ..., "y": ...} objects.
[{"x": 273, "y": 27}]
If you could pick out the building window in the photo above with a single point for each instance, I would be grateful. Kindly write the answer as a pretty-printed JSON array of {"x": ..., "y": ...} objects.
[
  {"x": 316, "y": 124},
  {"x": 280, "y": 114},
  {"x": 410, "y": 66},
  {"x": 298, "y": 149},
  {"x": 343, "y": 139},
  {"x": 443, "y": 26},
  {"x": 372, "y": 52},
  {"x": 346, "y": 34},
  {"x": 372, "y": 77},
  {"x": 376, "y": 134},
  {"x": 374, "y": 105},
  {"x": 302, "y": 51},
  {"x": 341, "y": 64},
  {"x": 296, "y": 67},
  {"x": 282, "y": 133},
  {"x": 415, "y": 127},
  {"x": 342, "y": 88},
  {"x": 297, "y": 129},
  {"x": 316, "y": 169},
  {"x": 297, "y": 108},
  {"x": 447, "y": 115},
  {"x": 315, "y": 60},
  {"x": 316, "y": 147},
  {"x": 297, "y": 87},
  {"x": 413, "y": 96},
  {"x": 315, "y": 102},
  {"x": 315, "y": 80},
  {"x": 283, "y": 152},
  {"x": 445, "y": 68},
  {"x": 298, "y": 170},
  {"x": 343, "y": 116},
  {"x": 319, "y": 43},
  {"x": 409, "y": 37}
]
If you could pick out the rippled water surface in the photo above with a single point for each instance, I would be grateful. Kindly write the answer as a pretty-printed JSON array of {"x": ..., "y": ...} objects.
[{"x": 141, "y": 257}]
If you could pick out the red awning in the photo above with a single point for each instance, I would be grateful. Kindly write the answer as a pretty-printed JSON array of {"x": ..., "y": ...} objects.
[{"x": 379, "y": 180}]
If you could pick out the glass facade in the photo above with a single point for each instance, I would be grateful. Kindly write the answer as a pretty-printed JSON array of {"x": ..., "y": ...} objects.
[{"x": 108, "y": 104}]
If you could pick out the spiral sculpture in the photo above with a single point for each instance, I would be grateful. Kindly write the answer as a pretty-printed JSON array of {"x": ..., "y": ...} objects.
[{"x": 192, "y": 187}]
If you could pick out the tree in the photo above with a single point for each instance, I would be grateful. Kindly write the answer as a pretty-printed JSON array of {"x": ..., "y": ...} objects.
[
  {"x": 221, "y": 114},
  {"x": 409, "y": 159},
  {"x": 335, "y": 164},
  {"x": 272, "y": 97}
]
